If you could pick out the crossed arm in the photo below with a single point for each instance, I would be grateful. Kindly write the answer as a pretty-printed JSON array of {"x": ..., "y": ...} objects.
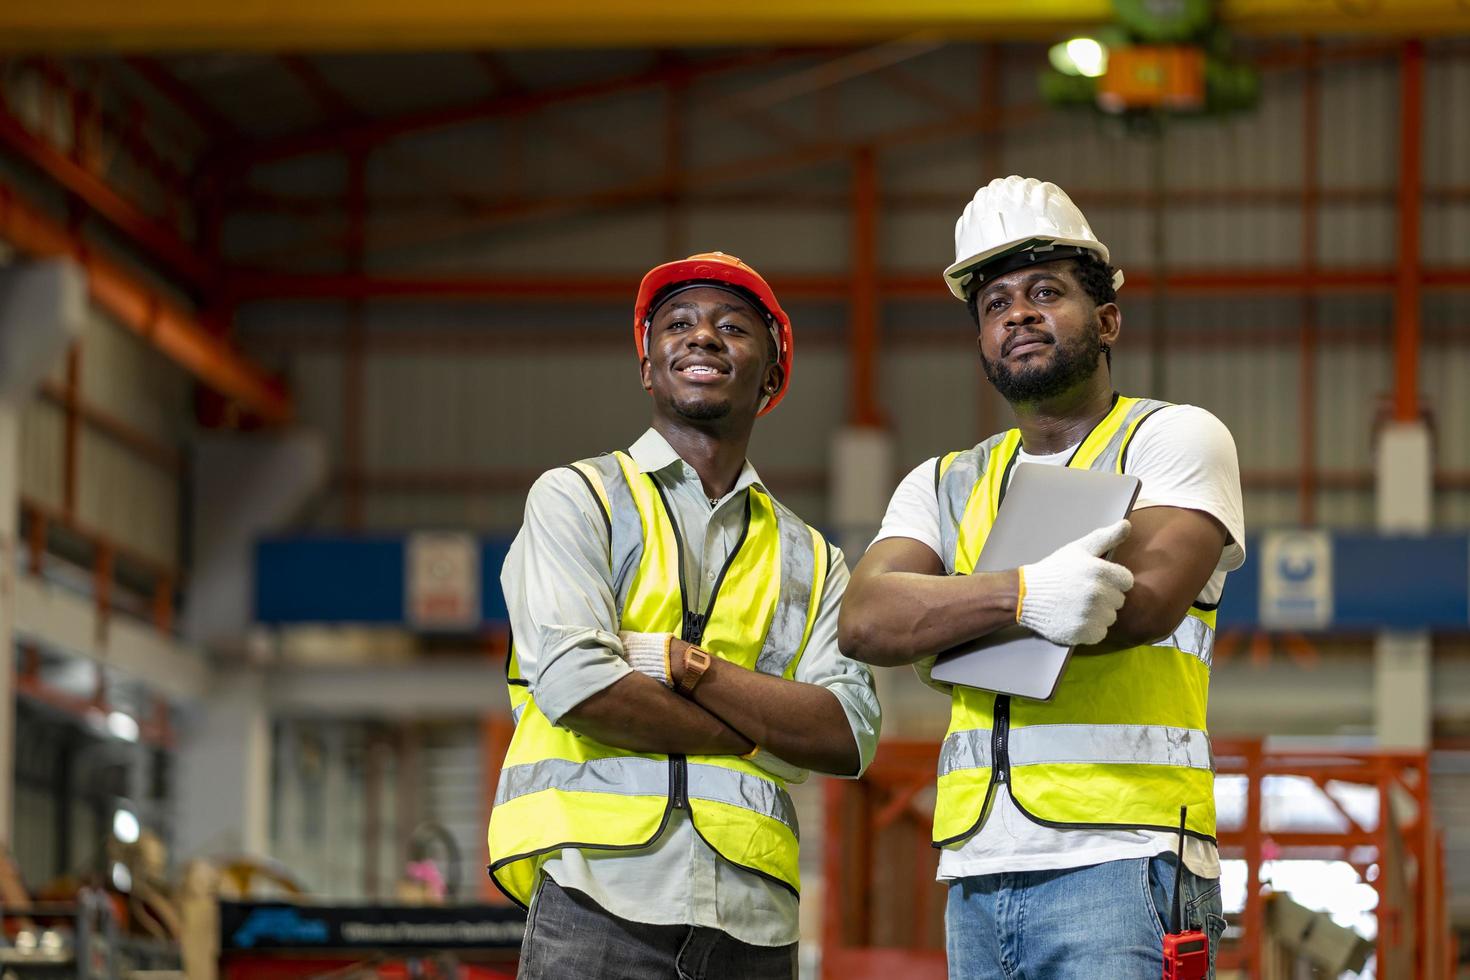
[
  {"x": 564, "y": 613},
  {"x": 902, "y": 608}
]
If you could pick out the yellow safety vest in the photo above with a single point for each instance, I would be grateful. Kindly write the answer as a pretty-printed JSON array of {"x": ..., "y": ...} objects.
[
  {"x": 1123, "y": 742},
  {"x": 559, "y": 789}
]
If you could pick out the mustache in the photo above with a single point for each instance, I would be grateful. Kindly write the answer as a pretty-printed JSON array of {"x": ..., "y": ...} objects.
[{"x": 1020, "y": 338}]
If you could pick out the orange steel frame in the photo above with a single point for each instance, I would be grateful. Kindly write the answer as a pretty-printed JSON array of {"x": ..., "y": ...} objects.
[{"x": 896, "y": 795}]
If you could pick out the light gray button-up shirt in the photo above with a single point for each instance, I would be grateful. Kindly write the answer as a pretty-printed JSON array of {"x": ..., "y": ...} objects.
[{"x": 564, "y": 614}]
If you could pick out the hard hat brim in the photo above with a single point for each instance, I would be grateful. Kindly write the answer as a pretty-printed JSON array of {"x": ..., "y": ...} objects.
[{"x": 958, "y": 276}]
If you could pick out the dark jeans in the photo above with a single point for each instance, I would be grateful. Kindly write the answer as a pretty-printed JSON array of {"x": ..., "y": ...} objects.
[{"x": 571, "y": 937}]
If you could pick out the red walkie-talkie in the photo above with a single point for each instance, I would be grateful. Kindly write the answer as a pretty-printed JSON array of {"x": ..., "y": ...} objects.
[{"x": 1186, "y": 951}]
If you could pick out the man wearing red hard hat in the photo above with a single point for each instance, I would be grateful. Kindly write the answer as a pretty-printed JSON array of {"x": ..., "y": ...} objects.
[{"x": 675, "y": 666}]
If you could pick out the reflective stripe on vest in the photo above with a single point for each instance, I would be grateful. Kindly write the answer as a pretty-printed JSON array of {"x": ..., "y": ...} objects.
[
  {"x": 1193, "y": 636},
  {"x": 559, "y": 789},
  {"x": 639, "y": 776},
  {"x": 1123, "y": 741},
  {"x": 1140, "y": 745}
]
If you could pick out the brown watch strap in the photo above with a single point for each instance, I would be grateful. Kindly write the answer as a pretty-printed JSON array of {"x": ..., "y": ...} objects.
[{"x": 696, "y": 662}]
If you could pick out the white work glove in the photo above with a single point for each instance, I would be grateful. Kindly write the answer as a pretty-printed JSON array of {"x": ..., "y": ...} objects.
[
  {"x": 1073, "y": 595},
  {"x": 777, "y": 766},
  {"x": 648, "y": 653}
]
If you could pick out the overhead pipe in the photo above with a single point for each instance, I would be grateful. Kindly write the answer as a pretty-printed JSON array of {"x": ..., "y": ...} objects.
[{"x": 144, "y": 310}]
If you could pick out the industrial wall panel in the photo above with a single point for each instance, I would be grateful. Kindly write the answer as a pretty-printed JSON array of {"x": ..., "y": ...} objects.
[
  {"x": 42, "y": 452},
  {"x": 125, "y": 377},
  {"x": 515, "y": 410},
  {"x": 797, "y": 436},
  {"x": 957, "y": 172},
  {"x": 1271, "y": 508},
  {"x": 491, "y": 159},
  {"x": 1212, "y": 236},
  {"x": 1446, "y": 231},
  {"x": 1370, "y": 310},
  {"x": 1345, "y": 509},
  {"x": 129, "y": 499},
  {"x": 501, "y": 511},
  {"x": 630, "y": 241},
  {"x": 1128, "y": 232},
  {"x": 587, "y": 146},
  {"x": 1351, "y": 382},
  {"x": 1444, "y": 370},
  {"x": 1258, "y": 149},
  {"x": 931, "y": 396},
  {"x": 1357, "y": 235},
  {"x": 791, "y": 243},
  {"x": 1359, "y": 124},
  {"x": 496, "y": 511},
  {"x": 1446, "y": 96},
  {"x": 316, "y": 378},
  {"x": 1452, "y": 509},
  {"x": 919, "y": 241},
  {"x": 302, "y": 243},
  {"x": 1079, "y": 152},
  {"x": 1251, "y": 391}
]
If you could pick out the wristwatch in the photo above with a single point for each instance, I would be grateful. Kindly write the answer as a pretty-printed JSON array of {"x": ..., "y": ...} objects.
[{"x": 696, "y": 662}]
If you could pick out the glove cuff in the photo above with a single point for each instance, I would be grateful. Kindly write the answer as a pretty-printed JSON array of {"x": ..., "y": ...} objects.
[{"x": 648, "y": 653}]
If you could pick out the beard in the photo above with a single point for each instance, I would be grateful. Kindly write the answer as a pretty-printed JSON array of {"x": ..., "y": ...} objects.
[
  {"x": 700, "y": 410},
  {"x": 1072, "y": 363}
]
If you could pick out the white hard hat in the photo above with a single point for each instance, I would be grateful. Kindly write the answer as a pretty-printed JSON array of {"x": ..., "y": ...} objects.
[{"x": 1023, "y": 216}]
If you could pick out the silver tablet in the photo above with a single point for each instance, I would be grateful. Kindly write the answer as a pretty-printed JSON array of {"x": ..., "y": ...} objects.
[{"x": 1044, "y": 508}]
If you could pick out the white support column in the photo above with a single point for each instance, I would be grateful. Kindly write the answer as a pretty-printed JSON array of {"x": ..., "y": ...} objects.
[
  {"x": 225, "y": 769},
  {"x": 1404, "y": 659},
  {"x": 862, "y": 480},
  {"x": 860, "y": 483},
  {"x": 9, "y": 559}
]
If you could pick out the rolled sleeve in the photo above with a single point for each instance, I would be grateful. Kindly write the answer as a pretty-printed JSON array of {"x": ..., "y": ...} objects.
[
  {"x": 849, "y": 681},
  {"x": 559, "y": 593}
]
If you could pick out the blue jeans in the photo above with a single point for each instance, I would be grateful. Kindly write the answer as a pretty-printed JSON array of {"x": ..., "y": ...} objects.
[
  {"x": 1103, "y": 922},
  {"x": 571, "y": 937}
]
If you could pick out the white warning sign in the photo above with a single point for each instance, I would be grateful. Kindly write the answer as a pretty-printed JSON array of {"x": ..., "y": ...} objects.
[{"x": 1296, "y": 580}]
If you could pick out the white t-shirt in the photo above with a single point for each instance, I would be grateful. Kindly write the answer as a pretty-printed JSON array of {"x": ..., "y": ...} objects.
[{"x": 1185, "y": 458}]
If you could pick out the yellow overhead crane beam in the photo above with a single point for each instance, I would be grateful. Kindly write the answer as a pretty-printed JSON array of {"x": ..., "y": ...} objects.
[{"x": 321, "y": 25}]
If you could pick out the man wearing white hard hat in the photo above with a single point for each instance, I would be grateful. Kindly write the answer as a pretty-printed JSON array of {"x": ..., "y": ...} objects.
[
  {"x": 675, "y": 667},
  {"x": 1058, "y": 820}
]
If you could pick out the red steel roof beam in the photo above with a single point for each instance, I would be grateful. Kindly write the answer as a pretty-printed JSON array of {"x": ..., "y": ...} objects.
[
  {"x": 153, "y": 238},
  {"x": 1409, "y": 274},
  {"x": 142, "y": 309},
  {"x": 863, "y": 304}
]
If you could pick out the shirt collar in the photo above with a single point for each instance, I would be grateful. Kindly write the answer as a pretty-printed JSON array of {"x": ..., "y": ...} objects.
[{"x": 652, "y": 453}]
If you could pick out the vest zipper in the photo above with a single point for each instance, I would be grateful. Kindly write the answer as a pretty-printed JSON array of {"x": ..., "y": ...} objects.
[
  {"x": 999, "y": 739},
  {"x": 678, "y": 782},
  {"x": 692, "y": 630}
]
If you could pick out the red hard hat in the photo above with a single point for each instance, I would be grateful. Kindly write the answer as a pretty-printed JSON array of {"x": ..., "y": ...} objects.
[{"x": 724, "y": 271}]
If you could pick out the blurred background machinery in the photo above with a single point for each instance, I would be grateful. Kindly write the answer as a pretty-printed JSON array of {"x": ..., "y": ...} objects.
[{"x": 297, "y": 302}]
